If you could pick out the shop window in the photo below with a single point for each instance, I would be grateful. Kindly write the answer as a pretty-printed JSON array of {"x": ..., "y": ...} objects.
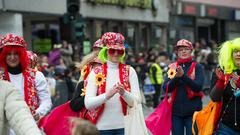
[
  {"x": 44, "y": 36},
  {"x": 101, "y": 28},
  {"x": 130, "y": 38}
]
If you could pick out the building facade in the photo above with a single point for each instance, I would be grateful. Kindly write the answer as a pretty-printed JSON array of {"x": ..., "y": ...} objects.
[
  {"x": 36, "y": 20},
  {"x": 144, "y": 23},
  {"x": 203, "y": 19}
]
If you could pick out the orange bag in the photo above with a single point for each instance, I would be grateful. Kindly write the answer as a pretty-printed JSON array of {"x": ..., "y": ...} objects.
[{"x": 205, "y": 121}]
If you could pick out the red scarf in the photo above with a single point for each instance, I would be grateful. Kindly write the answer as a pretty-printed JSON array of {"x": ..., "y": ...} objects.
[
  {"x": 182, "y": 61},
  {"x": 93, "y": 116},
  {"x": 191, "y": 74},
  {"x": 30, "y": 93}
]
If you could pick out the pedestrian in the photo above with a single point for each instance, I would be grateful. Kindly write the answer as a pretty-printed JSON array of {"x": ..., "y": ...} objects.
[
  {"x": 156, "y": 78},
  {"x": 185, "y": 80},
  {"x": 31, "y": 84},
  {"x": 14, "y": 112},
  {"x": 66, "y": 53},
  {"x": 225, "y": 86},
  {"x": 111, "y": 87}
]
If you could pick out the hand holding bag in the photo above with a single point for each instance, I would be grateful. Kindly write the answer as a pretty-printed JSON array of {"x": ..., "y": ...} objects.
[
  {"x": 160, "y": 121},
  {"x": 134, "y": 120},
  {"x": 205, "y": 121}
]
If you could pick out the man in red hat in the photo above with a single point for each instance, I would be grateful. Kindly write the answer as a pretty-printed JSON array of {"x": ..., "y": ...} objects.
[
  {"x": 32, "y": 85},
  {"x": 185, "y": 80}
]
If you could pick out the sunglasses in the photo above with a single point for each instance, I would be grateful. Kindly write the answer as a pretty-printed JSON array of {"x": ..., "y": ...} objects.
[{"x": 113, "y": 51}]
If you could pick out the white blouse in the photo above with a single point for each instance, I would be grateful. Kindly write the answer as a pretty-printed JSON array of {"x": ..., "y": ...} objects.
[
  {"x": 112, "y": 116},
  {"x": 42, "y": 90}
]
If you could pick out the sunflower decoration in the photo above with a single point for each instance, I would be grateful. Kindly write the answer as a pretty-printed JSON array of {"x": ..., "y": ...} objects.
[
  {"x": 100, "y": 79},
  {"x": 83, "y": 92},
  {"x": 171, "y": 73}
]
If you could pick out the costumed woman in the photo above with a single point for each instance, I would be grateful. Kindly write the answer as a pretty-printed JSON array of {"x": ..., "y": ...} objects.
[
  {"x": 225, "y": 86},
  {"x": 32, "y": 85},
  {"x": 87, "y": 64},
  {"x": 111, "y": 87},
  {"x": 33, "y": 60},
  {"x": 55, "y": 125},
  {"x": 185, "y": 81}
]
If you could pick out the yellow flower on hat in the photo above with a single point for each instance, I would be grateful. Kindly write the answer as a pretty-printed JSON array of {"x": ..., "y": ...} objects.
[
  {"x": 100, "y": 79},
  {"x": 171, "y": 73}
]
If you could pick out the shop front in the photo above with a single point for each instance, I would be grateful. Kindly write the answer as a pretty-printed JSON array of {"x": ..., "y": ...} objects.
[{"x": 142, "y": 26}]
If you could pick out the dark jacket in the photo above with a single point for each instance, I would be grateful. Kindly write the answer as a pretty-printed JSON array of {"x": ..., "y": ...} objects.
[
  {"x": 77, "y": 103},
  {"x": 183, "y": 106},
  {"x": 227, "y": 98}
]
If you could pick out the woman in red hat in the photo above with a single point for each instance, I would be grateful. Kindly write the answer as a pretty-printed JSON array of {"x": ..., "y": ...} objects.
[
  {"x": 31, "y": 84},
  {"x": 52, "y": 124},
  {"x": 111, "y": 87},
  {"x": 87, "y": 64},
  {"x": 185, "y": 80}
]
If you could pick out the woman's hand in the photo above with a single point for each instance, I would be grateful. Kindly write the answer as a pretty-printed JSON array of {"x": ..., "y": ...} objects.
[
  {"x": 180, "y": 71},
  {"x": 220, "y": 84},
  {"x": 120, "y": 88},
  {"x": 220, "y": 75},
  {"x": 236, "y": 79},
  {"x": 111, "y": 92}
]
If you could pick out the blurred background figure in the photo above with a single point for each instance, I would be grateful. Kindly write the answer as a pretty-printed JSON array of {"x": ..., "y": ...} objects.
[
  {"x": 66, "y": 53},
  {"x": 83, "y": 127}
]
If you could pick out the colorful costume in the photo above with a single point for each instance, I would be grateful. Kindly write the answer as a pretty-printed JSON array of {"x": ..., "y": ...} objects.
[
  {"x": 225, "y": 90},
  {"x": 32, "y": 85}
]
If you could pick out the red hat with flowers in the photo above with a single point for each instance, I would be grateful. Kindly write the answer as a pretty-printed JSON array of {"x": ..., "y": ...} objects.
[
  {"x": 32, "y": 56},
  {"x": 98, "y": 44},
  {"x": 184, "y": 42},
  {"x": 113, "y": 40},
  {"x": 12, "y": 40}
]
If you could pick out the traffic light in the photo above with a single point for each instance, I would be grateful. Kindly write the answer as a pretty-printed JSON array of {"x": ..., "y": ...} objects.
[
  {"x": 79, "y": 27},
  {"x": 73, "y": 7}
]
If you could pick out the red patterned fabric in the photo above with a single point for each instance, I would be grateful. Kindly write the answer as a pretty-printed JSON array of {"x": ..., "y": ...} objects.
[
  {"x": 94, "y": 115},
  {"x": 191, "y": 74},
  {"x": 113, "y": 40},
  {"x": 30, "y": 92},
  {"x": 11, "y": 39},
  {"x": 98, "y": 44},
  {"x": 33, "y": 58},
  {"x": 184, "y": 42}
]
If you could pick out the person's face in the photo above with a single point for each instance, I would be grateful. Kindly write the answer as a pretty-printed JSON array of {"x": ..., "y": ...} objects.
[
  {"x": 12, "y": 59},
  {"x": 113, "y": 55},
  {"x": 65, "y": 44},
  {"x": 183, "y": 52},
  {"x": 236, "y": 58}
]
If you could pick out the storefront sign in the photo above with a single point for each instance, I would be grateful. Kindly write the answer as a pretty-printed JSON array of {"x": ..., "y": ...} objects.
[
  {"x": 126, "y": 3},
  {"x": 42, "y": 45},
  {"x": 190, "y": 9},
  {"x": 212, "y": 11}
]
